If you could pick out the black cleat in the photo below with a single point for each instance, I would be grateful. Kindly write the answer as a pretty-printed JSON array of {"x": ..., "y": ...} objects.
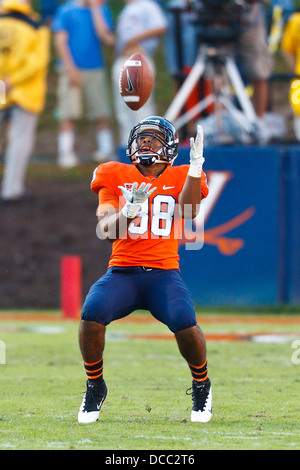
[
  {"x": 202, "y": 401},
  {"x": 92, "y": 401}
]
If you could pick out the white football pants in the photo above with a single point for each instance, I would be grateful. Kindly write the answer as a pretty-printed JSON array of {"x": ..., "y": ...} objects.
[{"x": 20, "y": 144}]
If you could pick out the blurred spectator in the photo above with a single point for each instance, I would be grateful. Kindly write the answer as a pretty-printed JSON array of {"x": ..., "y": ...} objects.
[
  {"x": 290, "y": 46},
  {"x": 253, "y": 55},
  {"x": 24, "y": 57},
  {"x": 139, "y": 27},
  {"x": 48, "y": 8},
  {"x": 80, "y": 27}
]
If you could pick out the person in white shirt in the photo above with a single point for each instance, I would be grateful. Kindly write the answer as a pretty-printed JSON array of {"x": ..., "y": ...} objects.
[{"x": 140, "y": 25}]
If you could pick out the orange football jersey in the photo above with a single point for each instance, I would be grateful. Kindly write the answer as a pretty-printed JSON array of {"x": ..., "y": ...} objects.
[{"x": 152, "y": 237}]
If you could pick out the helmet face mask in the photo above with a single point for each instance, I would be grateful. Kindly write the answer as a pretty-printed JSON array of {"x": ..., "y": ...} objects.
[{"x": 153, "y": 140}]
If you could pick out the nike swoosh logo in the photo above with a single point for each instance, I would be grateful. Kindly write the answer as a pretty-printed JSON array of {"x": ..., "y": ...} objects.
[
  {"x": 130, "y": 88},
  {"x": 168, "y": 187},
  {"x": 100, "y": 404}
]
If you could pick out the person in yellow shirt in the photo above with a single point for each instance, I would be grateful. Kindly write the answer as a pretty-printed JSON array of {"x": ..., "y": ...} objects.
[
  {"x": 24, "y": 58},
  {"x": 290, "y": 46}
]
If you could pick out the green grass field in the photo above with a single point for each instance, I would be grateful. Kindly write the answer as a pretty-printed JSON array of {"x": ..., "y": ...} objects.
[{"x": 255, "y": 387}]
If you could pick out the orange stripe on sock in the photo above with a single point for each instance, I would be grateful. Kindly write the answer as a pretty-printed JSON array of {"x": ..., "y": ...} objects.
[
  {"x": 198, "y": 367},
  {"x": 92, "y": 371},
  {"x": 200, "y": 373},
  {"x": 92, "y": 363},
  {"x": 94, "y": 376},
  {"x": 201, "y": 380}
]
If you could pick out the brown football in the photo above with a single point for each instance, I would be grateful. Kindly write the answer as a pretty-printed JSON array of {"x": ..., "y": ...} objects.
[{"x": 136, "y": 81}]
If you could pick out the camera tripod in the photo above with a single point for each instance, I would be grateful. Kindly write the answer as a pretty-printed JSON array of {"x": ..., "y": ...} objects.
[{"x": 223, "y": 67}]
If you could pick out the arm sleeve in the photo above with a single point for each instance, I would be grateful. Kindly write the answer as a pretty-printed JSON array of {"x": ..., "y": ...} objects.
[
  {"x": 154, "y": 17},
  {"x": 101, "y": 185},
  {"x": 59, "y": 21},
  {"x": 107, "y": 199},
  {"x": 204, "y": 186}
]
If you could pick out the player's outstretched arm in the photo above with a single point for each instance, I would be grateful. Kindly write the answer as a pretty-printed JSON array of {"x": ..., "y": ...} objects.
[
  {"x": 190, "y": 196},
  {"x": 114, "y": 224}
]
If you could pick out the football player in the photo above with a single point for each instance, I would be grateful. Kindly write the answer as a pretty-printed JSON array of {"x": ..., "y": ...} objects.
[{"x": 142, "y": 207}]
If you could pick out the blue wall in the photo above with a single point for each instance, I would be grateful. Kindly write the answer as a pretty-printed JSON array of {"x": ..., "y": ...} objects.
[
  {"x": 251, "y": 252},
  {"x": 291, "y": 216}
]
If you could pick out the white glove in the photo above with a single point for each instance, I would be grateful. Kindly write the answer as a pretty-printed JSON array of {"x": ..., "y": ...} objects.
[
  {"x": 135, "y": 198},
  {"x": 196, "y": 154}
]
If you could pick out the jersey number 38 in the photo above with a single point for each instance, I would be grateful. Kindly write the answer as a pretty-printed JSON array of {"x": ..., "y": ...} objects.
[{"x": 159, "y": 220}]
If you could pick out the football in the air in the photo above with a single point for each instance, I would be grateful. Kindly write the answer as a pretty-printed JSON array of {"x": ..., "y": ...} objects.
[{"x": 136, "y": 81}]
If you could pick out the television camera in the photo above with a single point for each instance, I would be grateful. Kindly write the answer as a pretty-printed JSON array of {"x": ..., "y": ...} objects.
[
  {"x": 218, "y": 22},
  {"x": 218, "y": 26}
]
